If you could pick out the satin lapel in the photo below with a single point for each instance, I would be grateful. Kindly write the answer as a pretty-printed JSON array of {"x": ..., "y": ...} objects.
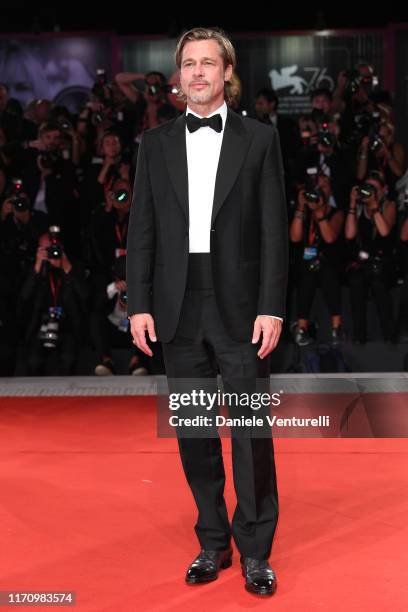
[
  {"x": 234, "y": 147},
  {"x": 175, "y": 153}
]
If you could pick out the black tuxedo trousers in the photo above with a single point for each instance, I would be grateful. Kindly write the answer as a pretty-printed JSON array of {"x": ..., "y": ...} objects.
[{"x": 200, "y": 348}]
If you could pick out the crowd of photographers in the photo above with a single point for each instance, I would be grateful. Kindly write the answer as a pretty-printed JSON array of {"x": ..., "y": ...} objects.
[{"x": 65, "y": 192}]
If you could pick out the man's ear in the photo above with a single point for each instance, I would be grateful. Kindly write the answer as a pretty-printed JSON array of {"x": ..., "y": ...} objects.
[{"x": 228, "y": 73}]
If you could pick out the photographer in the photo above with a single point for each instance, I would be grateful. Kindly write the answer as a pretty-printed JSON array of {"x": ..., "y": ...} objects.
[
  {"x": 51, "y": 309},
  {"x": 322, "y": 100},
  {"x": 20, "y": 229},
  {"x": 111, "y": 163},
  {"x": 153, "y": 97},
  {"x": 316, "y": 227},
  {"x": 97, "y": 117},
  {"x": 110, "y": 328},
  {"x": 321, "y": 148},
  {"x": 370, "y": 232},
  {"x": 108, "y": 236},
  {"x": 71, "y": 143},
  {"x": 354, "y": 102},
  {"x": 379, "y": 151},
  {"x": 353, "y": 91},
  {"x": 114, "y": 164},
  {"x": 49, "y": 179}
]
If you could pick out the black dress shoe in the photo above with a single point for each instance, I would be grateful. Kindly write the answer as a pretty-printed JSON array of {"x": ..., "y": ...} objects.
[
  {"x": 259, "y": 576},
  {"x": 205, "y": 566}
]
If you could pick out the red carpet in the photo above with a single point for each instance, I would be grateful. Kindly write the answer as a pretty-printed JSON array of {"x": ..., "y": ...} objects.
[{"x": 92, "y": 501}]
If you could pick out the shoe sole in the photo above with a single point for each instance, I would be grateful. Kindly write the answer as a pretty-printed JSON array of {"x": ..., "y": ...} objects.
[{"x": 224, "y": 565}]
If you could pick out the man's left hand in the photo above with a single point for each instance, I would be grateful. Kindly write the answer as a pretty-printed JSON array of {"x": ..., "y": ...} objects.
[{"x": 271, "y": 329}]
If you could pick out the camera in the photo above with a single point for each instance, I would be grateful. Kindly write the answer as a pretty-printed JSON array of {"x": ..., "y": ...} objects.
[
  {"x": 364, "y": 124},
  {"x": 312, "y": 191},
  {"x": 21, "y": 202},
  {"x": 121, "y": 196},
  {"x": 366, "y": 190},
  {"x": 19, "y": 199},
  {"x": 355, "y": 80},
  {"x": 163, "y": 89},
  {"x": 325, "y": 138},
  {"x": 99, "y": 87},
  {"x": 375, "y": 143},
  {"x": 65, "y": 125},
  {"x": 50, "y": 327},
  {"x": 54, "y": 251},
  {"x": 101, "y": 76}
]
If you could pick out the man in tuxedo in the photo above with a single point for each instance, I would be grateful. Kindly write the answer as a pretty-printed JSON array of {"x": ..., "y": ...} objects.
[{"x": 207, "y": 259}]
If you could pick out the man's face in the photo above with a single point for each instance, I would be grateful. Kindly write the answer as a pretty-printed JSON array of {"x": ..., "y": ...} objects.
[
  {"x": 3, "y": 99},
  {"x": 263, "y": 107},
  {"x": 111, "y": 146},
  {"x": 322, "y": 103},
  {"x": 51, "y": 139},
  {"x": 202, "y": 74}
]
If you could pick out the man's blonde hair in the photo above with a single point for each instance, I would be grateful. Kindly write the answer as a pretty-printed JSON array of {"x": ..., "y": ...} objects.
[{"x": 226, "y": 49}]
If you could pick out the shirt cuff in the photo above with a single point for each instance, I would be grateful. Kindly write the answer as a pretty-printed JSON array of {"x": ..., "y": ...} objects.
[{"x": 273, "y": 317}]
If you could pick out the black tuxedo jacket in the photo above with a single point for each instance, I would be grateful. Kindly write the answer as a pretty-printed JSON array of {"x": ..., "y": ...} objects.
[{"x": 249, "y": 227}]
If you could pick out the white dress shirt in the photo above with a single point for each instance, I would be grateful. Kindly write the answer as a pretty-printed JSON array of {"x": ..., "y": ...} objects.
[{"x": 203, "y": 154}]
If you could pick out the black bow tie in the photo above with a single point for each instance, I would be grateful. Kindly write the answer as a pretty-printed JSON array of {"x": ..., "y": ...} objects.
[{"x": 194, "y": 123}]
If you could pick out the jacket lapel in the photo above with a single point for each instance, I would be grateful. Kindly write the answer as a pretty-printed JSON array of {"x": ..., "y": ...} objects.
[
  {"x": 175, "y": 153},
  {"x": 234, "y": 147}
]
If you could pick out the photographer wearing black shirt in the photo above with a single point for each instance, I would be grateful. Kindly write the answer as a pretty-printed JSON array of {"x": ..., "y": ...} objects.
[
  {"x": 316, "y": 227},
  {"x": 370, "y": 232},
  {"x": 380, "y": 151},
  {"x": 51, "y": 309},
  {"x": 49, "y": 178},
  {"x": 20, "y": 229}
]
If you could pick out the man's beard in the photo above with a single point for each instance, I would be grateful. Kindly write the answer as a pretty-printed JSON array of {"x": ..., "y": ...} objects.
[{"x": 200, "y": 97}]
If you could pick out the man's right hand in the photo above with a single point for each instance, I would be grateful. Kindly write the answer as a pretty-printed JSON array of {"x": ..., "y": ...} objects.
[{"x": 139, "y": 323}]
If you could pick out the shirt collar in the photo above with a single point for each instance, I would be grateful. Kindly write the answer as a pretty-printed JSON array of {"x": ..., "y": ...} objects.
[
  {"x": 273, "y": 119},
  {"x": 222, "y": 110}
]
